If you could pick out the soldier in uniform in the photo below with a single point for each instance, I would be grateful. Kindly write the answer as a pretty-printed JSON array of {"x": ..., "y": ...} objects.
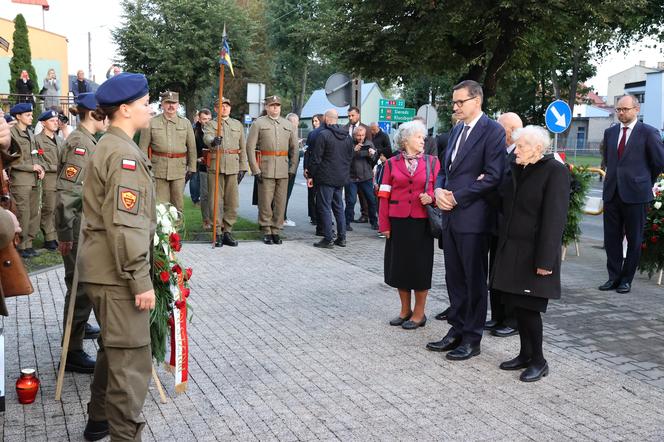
[
  {"x": 51, "y": 145},
  {"x": 72, "y": 166},
  {"x": 170, "y": 144},
  {"x": 273, "y": 156},
  {"x": 114, "y": 262},
  {"x": 232, "y": 168},
  {"x": 25, "y": 175}
]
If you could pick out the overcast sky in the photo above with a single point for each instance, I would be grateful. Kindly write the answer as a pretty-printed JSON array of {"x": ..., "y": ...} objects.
[{"x": 75, "y": 18}]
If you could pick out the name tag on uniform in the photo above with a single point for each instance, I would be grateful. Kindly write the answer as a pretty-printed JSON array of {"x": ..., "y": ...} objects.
[
  {"x": 80, "y": 151},
  {"x": 129, "y": 164}
]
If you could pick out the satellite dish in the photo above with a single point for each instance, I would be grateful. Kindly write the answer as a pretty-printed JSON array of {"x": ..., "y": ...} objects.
[
  {"x": 429, "y": 113},
  {"x": 338, "y": 89}
]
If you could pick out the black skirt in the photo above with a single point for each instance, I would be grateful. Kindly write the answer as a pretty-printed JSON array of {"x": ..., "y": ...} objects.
[
  {"x": 527, "y": 302},
  {"x": 409, "y": 254}
]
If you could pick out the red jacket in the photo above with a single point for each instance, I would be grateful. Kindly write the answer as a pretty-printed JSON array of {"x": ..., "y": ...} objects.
[{"x": 400, "y": 192}]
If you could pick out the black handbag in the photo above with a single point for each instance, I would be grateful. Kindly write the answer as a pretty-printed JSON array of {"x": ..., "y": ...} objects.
[{"x": 434, "y": 214}]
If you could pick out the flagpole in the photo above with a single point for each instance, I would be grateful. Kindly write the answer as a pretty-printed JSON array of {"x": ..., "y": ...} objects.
[{"x": 218, "y": 148}]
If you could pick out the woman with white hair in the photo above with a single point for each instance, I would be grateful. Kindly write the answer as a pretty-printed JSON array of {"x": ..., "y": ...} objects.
[
  {"x": 527, "y": 265},
  {"x": 406, "y": 188}
]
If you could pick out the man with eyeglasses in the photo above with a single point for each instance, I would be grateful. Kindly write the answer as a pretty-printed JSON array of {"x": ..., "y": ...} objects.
[
  {"x": 473, "y": 167},
  {"x": 634, "y": 157}
]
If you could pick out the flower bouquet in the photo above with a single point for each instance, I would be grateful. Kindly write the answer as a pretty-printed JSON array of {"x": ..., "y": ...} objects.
[
  {"x": 579, "y": 184},
  {"x": 652, "y": 248}
]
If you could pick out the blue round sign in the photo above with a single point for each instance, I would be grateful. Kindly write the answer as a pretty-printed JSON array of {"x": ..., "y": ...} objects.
[{"x": 558, "y": 117}]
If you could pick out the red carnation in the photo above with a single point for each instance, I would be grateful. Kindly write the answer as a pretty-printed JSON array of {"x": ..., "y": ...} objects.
[
  {"x": 174, "y": 240},
  {"x": 180, "y": 304},
  {"x": 177, "y": 269},
  {"x": 171, "y": 321},
  {"x": 188, "y": 274},
  {"x": 653, "y": 240},
  {"x": 655, "y": 227},
  {"x": 186, "y": 292},
  {"x": 40, "y": 151},
  {"x": 164, "y": 276}
]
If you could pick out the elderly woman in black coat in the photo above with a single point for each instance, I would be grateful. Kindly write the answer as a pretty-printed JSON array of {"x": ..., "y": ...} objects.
[{"x": 527, "y": 268}]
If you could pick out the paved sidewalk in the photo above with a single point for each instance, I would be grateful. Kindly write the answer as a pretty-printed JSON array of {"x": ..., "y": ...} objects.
[{"x": 292, "y": 343}]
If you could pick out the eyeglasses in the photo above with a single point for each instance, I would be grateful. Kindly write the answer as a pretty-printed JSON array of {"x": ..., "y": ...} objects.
[
  {"x": 623, "y": 109},
  {"x": 459, "y": 103}
]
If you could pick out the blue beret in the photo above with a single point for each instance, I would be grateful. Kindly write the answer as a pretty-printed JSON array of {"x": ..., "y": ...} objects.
[
  {"x": 122, "y": 88},
  {"x": 20, "y": 108},
  {"x": 47, "y": 115},
  {"x": 86, "y": 100},
  {"x": 9, "y": 118}
]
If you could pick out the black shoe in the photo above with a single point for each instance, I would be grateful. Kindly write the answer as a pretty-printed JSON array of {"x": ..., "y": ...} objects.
[
  {"x": 228, "y": 240},
  {"x": 277, "y": 239},
  {"x": 324, "y": 244},
  {"x": 91, "y": 331},
  {"x": 624, "y": 287},
  {"x": 78, "y": 361},
  {"x": 608, "y": 285},
  {"x": 490, "y": 325},
  {"x": 341, "y": 242},
  {"x": 514, "y": 364},
  {"x": 25, "y": 253},
  {"x": 267, "y": 239},
  {"x": 443, "y": 315},
  {"x": 320, "y": 233},
  {"x": 348, "y": 227},
  {"x": 374, "y": 226},
  {"x": 534, "y": 373},
  {"x": 412, "y": 325},
  {"x": 504, "y": 331},
  {"x": 361, "y": 220},
  {"x": 51, "y": 245},
  {"x": 463, "y": 352},
  {"x": 95, "y": 430},
  {"x": 446, "y": 344},
  {"x": 219, "y": 241},
  {"x": 398, "y": 321}
]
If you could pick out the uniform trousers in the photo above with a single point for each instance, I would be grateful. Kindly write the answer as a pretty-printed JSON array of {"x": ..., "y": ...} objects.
[
  {"x": 272, "y": 194},
  {"x": 82, "y": 305},
  {"x": 47, "y": 217},
  {"x": 228, "y": 200},
  {"x": 170, "y": 191},
  {"x": 27, "y": 203}
]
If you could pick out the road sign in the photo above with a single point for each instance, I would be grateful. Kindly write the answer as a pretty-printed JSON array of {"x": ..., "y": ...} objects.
[
  {"x": 248, "y": 119},
  {"x": 429, "y": 113},
  {"x": 558, "y": 117},
  {"x": 388, "y": 102},
  {"x": 338, "y": 89},
  {"x": 398, "y": 114},
  {"x": 385, "y": 126}
]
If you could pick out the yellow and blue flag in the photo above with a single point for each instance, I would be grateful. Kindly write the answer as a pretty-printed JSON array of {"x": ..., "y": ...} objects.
[{"x": 226, "y": 53}]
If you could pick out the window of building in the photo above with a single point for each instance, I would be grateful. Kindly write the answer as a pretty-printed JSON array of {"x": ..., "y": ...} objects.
[{"x": 581, "y": 138}]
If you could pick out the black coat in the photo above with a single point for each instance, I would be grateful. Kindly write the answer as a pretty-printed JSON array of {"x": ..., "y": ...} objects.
[
  {"x": 535, "y": 202},
  {"x": 382, "y": 144},
  {"x": 25, "y": 89},
  {"x": 330, "y": 160},
  {"x": 361, "y": 168}
]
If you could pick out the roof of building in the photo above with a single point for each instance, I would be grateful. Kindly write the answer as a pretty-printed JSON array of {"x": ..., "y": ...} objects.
[
  {"x": 318, "y": 102},
  {"x": 588, "y": 111}
]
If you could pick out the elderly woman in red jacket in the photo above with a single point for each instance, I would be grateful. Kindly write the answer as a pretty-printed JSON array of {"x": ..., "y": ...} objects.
[{"x": 407, "y": 186}]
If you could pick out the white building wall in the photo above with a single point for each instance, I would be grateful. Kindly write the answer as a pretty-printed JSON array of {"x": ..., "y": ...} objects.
[
  {"x": 617, "y": 81},
  {"x": 653, "y": 106}
]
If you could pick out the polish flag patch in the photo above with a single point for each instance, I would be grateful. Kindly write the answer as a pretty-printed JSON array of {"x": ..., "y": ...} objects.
[
  {"x": 80, "y": 151},
  {"x": 129, "y": 164}
]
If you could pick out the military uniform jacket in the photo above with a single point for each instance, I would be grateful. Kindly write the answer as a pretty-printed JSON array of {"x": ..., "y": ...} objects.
[
  {"x": 273, "y": 135},
  {"x": 24, "y": 144},
  {"x": 166, "y": 137},
  {"x": 230, "y": 162},
  {"x": 51, "y": 148},
  {"x": 120, "y": 216},
  {"x": 72, "y": 166}
]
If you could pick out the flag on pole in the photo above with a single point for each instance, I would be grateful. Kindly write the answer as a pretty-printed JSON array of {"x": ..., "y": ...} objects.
[{"x": 226, "y": 53}]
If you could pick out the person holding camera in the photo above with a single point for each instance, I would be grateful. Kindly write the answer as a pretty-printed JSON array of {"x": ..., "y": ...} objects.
[{"x": 361, "y": 178}]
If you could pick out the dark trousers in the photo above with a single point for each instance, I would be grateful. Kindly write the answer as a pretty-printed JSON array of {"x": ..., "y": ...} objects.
[
  {"x": 329, "y": 201},
  {"x": 530, "y": 335},
  {"x": 311, "y": 204},
  {"x": 291, "y": 184},
  {"x": 622, "y": 219},
  {"x": 195, "y": 187},
  {"x": 503, "y": 314},
  {"x": 365, "y": 188},
  {"x": 466, "y": 278},
  {"x": 364, "y": 205}
]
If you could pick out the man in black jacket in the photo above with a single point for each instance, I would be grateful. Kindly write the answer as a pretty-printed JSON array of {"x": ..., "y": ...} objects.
[
  {"x": 381, "y": 142},
  {"x": 329, "y": 168},
  {"x": 361, "y": 178}
]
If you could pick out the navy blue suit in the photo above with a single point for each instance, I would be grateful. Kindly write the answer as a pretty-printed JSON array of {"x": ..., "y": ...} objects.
[
  {"x": 467, "y": 227},
  {"x": 627, "y": 193}
]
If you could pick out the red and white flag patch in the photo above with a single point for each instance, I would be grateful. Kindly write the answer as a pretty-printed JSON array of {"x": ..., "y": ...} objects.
[
  {"x": 80, "y": 151},
  {"x": 129, "y": 164}
]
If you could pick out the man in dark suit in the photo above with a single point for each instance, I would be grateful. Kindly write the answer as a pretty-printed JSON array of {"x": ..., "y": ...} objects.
[
  {"x": 474, "y": 165},
  {"x": 634, "y": 157}
]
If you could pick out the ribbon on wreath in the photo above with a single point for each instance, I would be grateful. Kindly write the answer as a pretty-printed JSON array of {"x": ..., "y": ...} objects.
[{"x": 179, "y": 360}]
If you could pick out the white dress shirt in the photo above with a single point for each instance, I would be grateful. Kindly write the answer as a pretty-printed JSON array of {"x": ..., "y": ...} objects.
[
  {"x": 630, "y": 129},
  {"x": 470, "y": 126}
]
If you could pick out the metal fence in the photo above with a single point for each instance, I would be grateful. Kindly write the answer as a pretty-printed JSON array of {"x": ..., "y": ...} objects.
[{"x": 64, "y": 102}]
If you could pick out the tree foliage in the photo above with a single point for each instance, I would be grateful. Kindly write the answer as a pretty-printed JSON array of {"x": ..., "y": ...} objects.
[{"x": 22, "y": 56}]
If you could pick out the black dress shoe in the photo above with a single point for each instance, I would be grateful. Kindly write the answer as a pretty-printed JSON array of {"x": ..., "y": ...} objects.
[
  {"x": 25, "y": 253},
  {"x": 277, "y": 239},
  {"x": 95, "y": 430},
  {"x": 348, "y": 228},
  {"x": 324, "y": 244},
  {"x": 463, "y": 352},
  {"x": 91, "y": 331},
  {"x": 219, "y": 242},
  {"x": 398, "y": 321},
  {"x": 534, "y": 373},
  {"x": 341, "y": 242},
  {"x": 361, "y": 220},
  {"x": 78, "y": 361},
  {"x": 51, "y": 245},
  {"x": 504, "y": 331},
  {"x": 374, "y": 226},
  {"x": 267, "y": 239},
  {"x": 624, "y": 287},
  {"x": 412, "y": 325},
  {"x": 608, "y": 285},
  {"x": 446, "y": 344},
  {"x": 490, "y": 325},
  {"x": 228, "y": 240},
  {"x": 443, "y": 315},
  {"x": 514, "y": 364}
]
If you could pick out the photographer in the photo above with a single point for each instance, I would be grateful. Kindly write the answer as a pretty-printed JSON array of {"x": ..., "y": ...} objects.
[{"x": 361, "y": 178}]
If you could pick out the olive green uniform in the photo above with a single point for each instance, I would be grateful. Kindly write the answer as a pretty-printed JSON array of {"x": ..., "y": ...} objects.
[
  {"x": 232, "y": 160},
  {"x": 276, "y": 140},
  {"x": 120, "y": 220},
  {"x": 24, "y": 184},
  {"x": 72, "y": 167},
  {"x": 171, "y": 146},
  {"x": 51, "y": 148}
]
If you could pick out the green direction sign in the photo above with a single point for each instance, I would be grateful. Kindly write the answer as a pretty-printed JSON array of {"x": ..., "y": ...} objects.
[
  {"x": 399, "y": 115},
  {"x": 392, "y": 103}
]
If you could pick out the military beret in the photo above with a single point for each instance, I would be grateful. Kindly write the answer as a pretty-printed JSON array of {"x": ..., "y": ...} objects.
[
  {"x": 272, "y": 100},
  {"x": 169, "y": 96},
  {"x": 9, "y": 118},
  {"x": 20, "y": 108},
  {"x": 86, "y": 100},
  {"x": 122, "y": 88},
  {"x": 48, "y": 115}
]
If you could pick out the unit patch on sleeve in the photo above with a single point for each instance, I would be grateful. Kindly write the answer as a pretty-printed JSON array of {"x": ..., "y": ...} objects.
[
  {"x": 80, "y": 150},
  {"x": 70, "y": 172},
  {"x": 128, "y": 164},
  {"x": 128, "y": 200}
]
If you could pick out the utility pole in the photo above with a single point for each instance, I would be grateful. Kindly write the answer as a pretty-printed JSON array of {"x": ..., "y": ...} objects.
[{"x": 89, "y": 55}]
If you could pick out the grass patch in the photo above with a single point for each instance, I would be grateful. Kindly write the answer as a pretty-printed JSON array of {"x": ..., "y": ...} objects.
[
  {"x": 584, "y": 160},
  {"x": 45, "y": 259},
  {"x": 193, "y": 225}
]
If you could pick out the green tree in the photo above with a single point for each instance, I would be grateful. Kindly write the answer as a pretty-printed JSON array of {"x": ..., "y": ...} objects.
[{"x": 22, "y": 56}]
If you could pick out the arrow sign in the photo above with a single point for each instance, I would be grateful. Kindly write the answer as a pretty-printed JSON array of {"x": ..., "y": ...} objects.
[{"x": 558, "y": 117}]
